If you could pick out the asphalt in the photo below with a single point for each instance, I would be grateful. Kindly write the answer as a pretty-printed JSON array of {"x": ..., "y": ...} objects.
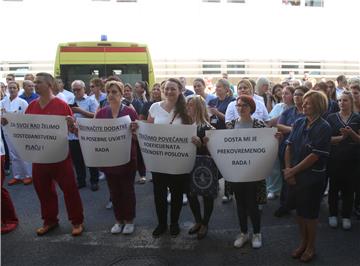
[{"x": 97, "y": 246}]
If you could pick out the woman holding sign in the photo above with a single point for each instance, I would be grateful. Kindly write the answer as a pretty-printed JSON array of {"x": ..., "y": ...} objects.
[
  {"x": 120, "y": 178},
  {"x": 247, "y": 193},
  {"x": 307, "y": 148},
  {"x": 172, "y": 110},
  {"x": 196, "y": 108}
]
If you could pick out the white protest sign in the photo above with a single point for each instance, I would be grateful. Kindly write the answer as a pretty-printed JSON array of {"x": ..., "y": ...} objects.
[
  {"x": 243, "y": 155},
  {"x": 167, "y": 148},
  {"x": 38, "y": 138},
  {"x": 105, "y": 142}
]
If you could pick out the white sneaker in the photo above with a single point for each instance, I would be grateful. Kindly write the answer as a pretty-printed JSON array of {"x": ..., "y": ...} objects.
[
  {"x": 346, "y": 224},
  {"x": 101, "y": 176},
  {"x": 109, "y": 205},
  {"x": 169, "y": 197},
  {"x": 117, "y": 228},
  {"x": 256, "y": 241},
  {"x": 226, "y": 199},
  {"x": 333, "y": 221},
  {"x": 271, "y": 196},
  {"x": 128, "y": 229},
  {"x": 241, "y": 240},
  {"x": 185, "y": 199}
]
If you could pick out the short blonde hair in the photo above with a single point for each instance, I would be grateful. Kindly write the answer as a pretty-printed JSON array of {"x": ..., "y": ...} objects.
[
  {"x": 318, "y": 100},
  {"x": 247, "y": 84},
  {"x": 117, "y": 84}
]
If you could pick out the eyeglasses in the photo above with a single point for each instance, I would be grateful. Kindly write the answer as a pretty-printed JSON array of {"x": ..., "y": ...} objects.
[{"x": 243, "y": 105}]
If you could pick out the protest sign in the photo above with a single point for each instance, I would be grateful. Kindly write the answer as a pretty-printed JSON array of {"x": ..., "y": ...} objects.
[
  {"x": 38, "y": 138},
  {"x": 243, "y": 155},
  {"x": 105, "y": 142},
  {"x": 167, "y": 148}
]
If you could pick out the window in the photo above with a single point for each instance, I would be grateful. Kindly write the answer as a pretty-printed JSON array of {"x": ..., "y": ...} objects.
[
  {"x": 211, "y": 1},
  {"x": 209, "y": 66},
  {"x": 291, "y": 2},
  {"x": 316, "y": 3},
  {"x": 288, "y": 67},
  {"x": 19, "y": 71},
  {"x": 313, "y": 68},
  {"x": 233, "y": 68}
]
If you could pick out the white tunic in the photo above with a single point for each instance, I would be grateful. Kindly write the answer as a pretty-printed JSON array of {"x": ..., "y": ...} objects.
[{"x": 161, "y": 116}]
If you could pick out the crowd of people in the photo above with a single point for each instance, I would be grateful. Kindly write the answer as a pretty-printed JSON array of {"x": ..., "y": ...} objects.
[{"x": 318, "y": 127}]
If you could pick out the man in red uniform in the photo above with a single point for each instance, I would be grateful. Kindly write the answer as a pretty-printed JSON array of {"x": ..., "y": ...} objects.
[{"x": 62, "y": 172}]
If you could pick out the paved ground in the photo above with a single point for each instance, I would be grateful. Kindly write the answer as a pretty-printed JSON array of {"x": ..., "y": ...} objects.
[{"x": 98, "y": 247}]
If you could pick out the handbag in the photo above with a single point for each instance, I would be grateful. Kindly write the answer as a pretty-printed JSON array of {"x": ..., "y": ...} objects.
[{"x": 204, "y": 177}]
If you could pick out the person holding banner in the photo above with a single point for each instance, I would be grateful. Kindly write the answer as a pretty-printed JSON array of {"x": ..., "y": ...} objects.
[
  {"x": 244, "y": 87},
  {"x": 305, "y": 169},
  {"x": 45, "y": 175},
  {"x": 21, "y": 169},
  {"x": 196, "y": 108},
  {"x": 172, "y": 110},
  {"x": 120, "y": 178},
  {"x": 247, "y": 193}
]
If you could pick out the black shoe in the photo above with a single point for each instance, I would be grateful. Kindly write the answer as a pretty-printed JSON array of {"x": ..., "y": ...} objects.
[
  {"x": 174, "y": 230},
  {"x": 194, "y": 229},
  {"x": 159, "y": 230},
  {"x": 81, "y": 185},
  {"x": 94, "y": 187},
  {"x": 281, "y": 212}
]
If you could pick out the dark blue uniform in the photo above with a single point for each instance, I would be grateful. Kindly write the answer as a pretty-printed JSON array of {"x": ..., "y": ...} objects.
[
  {"x": 343, "y": 165},
  {"x": 308, "y": 191}
]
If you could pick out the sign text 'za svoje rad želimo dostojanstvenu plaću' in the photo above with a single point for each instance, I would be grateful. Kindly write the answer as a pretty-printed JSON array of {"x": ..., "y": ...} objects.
[{"x": 38, "y": 138}]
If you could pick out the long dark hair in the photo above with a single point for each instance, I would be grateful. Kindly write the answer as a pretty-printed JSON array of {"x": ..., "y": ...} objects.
[{"x": 180, "y": 106}]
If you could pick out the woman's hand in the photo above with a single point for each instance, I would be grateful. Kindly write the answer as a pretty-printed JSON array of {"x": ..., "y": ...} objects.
[
  {"x": 197, "y": 141},
  {"x": 288, "y": 173},
  {"x": 205, "y": 140},
  {"x": 134, "y": 126},
  {"x": 213, "y": 110},
  {"x": 345, "y": 132},
  {"x": 71, "y": 124},
  {"x": 4, "y": 121},
  {"x": 279, "y": 136}
]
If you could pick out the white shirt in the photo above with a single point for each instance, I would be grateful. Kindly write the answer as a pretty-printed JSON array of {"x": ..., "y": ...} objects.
[
  {"x": 260, "y": 111},
  {"x": 2, "y": 149},
  {"x": 69, "y": 96},
  {"x": 17, "y": 105},
  {"x": 161, "y": 116},
  {"x": 61, "y": 96},
  {"x": 258, "y": 98},
  {"x": 339, "y": 91}
]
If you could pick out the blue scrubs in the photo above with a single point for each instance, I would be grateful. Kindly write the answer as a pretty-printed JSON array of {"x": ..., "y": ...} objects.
[
  {"x": 308, "y": 191},
  {"x": 221, "y": 106}
]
